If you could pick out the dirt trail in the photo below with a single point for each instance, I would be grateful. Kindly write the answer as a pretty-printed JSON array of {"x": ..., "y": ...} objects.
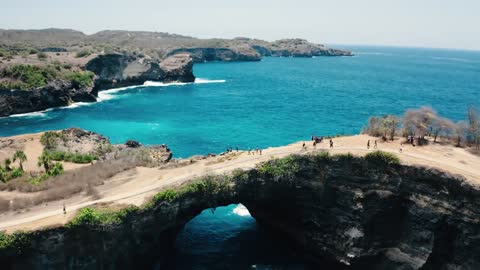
[{"x": 137, "y": 185}]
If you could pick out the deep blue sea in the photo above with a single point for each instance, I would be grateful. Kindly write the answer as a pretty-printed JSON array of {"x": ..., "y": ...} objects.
[{"x": 268, "y": 103}]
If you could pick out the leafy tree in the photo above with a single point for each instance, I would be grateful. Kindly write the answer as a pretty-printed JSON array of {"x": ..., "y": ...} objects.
[
  {"x": 21, "y": 157},
  {"x": 45, "y": 161}
]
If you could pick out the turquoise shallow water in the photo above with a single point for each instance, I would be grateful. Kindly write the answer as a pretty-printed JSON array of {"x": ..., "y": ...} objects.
[
  {"x": 268, "y": 103},
  {"x": 275, "y": 101}
]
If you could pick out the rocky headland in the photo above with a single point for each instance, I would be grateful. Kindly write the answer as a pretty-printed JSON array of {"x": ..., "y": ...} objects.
[
  {"x": 116, "y": 59},
  {"x": 109, "y": 70}
]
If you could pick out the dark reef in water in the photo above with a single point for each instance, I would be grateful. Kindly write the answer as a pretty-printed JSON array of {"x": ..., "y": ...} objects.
[{"x": 353, "y": 213}]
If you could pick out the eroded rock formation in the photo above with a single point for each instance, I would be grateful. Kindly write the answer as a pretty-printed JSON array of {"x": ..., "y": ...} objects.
[
  {"x": 56, "y": 94},
  {"x": 118, "y": 70},
  {"x": 350, "y": 212}
]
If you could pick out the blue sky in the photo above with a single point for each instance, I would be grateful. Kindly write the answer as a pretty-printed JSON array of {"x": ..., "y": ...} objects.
[{"x": 422, "y": 23}]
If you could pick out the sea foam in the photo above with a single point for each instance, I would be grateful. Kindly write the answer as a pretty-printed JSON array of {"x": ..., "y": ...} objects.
[{"x": 241, "y": 210}]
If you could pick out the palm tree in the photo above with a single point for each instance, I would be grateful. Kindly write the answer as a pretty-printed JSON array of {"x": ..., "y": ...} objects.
[
  {"x": 45, "y": 161},
  {"x": 21, "y": 157},
  {"x": 8, "y": 162}
]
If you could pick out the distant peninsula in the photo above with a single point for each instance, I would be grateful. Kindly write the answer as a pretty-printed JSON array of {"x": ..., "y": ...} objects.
[{"x": 42, "y": 69}]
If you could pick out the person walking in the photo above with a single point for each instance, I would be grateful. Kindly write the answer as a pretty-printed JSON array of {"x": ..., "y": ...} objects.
[
  {"x": 64, "y": 209},
  {"x": 331, "y": 143},
  {"x": 368, "y": 144},
  {"x": 375, "y": 145}
]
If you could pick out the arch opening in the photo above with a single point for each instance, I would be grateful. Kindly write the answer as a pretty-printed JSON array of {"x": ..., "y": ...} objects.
[{"x": 228, "y": 237}]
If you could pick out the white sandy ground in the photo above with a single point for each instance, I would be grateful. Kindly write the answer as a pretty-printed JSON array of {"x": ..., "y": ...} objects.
[{"x": 140, "y": 184}]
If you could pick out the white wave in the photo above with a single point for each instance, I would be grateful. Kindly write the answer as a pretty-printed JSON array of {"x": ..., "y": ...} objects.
[
  {"x": 197, "y": 81},
  {"x": 109, "y": 94},
  {"x": 200, "y": 80},
  {"x": 32, "y": 114},
  {"x": 451, "y": 59},
  {"x": 241, "y": 210},
  {"x": 372, "y": 53}
]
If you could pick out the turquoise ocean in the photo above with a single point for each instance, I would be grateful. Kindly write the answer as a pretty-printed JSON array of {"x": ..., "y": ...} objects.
[{"x": 261, "y": 104}]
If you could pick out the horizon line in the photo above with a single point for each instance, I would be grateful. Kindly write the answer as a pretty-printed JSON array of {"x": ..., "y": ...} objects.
[{"x": 269, "y": 40}]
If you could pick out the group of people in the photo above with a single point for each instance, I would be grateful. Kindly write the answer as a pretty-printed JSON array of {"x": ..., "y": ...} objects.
[
  {"x": 374, "y": 146},
  {"x": 230, "y": 149},
  {"x": 255, "y": 151},
  {"x": 317, "y": 140}
]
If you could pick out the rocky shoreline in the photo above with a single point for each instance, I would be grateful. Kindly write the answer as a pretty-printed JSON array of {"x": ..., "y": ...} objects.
[
  {"x": 123, "y": 58},
  {"x": 111, "y": 71}
]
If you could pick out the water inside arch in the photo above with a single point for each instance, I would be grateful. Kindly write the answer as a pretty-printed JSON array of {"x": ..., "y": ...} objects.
[{"x": 229, "y": 238}]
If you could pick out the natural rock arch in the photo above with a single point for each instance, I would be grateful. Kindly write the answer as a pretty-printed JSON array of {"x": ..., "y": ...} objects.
[{"x": 353, "y": 212}]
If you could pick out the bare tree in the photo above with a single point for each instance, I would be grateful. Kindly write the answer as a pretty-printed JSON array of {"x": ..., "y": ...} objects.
[
  {"x": 461, "y": 130},
  {"x": 441, "y": 127},
  {"x": 474, "y": 126},
  {"x": 385, "y": 126},
  {"x": 417, "y": 122},
  {"x": 391, "y": 124}
]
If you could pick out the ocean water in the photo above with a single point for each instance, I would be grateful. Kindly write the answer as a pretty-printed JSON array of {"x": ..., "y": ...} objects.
[
  {"x": 229, "y": 238},
  {"x": 274, "y": 102},
  {"x": 260, "y": 104}
]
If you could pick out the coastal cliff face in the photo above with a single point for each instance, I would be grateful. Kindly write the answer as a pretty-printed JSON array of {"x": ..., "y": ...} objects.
[
  {"x": 254, "y": 50},
  {"x": 219, "y": 54},
  {"x": 349, "y": 212},
  {"x": 118, "y": 70},
  {"x": 111, "y": 70},
  {"x": 56, "y": 94}
]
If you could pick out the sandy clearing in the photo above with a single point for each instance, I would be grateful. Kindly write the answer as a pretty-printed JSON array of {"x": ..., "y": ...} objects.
[{"x": 137, "y": 185}]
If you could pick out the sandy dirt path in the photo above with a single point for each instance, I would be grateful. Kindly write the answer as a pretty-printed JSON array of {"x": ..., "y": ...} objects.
[{"x": 140, "y": 184}]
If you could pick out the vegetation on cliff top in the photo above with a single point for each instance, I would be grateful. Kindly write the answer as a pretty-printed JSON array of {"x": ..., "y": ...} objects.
[{"x": 27, "y": 77}]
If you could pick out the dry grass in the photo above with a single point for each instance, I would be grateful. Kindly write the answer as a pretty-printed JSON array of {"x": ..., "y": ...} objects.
[{"x": 66, "y": 185}]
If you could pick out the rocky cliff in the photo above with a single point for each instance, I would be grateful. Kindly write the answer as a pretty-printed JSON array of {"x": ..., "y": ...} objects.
[
  {"x": 56, "y": 94},
  {"x": 347, "y": 212},
  {"x": 111, "y": 70},
  {"x": 119, "y": 70},
  {"x": 219, "y": 54}
]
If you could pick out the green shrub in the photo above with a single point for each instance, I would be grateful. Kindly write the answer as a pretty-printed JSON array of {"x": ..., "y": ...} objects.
[
  {"x": 16, "y": 172},
  {"x": 42, "y": 55},
  {"x": 168, "y": 195},
  {"x": 279, "y": 167},
  {"x": 81, "y": 79},
  {"x": 29, "y": 76},
  {"x": 50, "y": 139},
  {"x": 57, "y": 169},
  {"x": 14, "y": 243},
  {"x": 83, "y": 53},
  {"x": 94, "y": 217},
  {"x": 38, "y": 179},
  {"x": 381, "y": 158},
  {"x": 71, "y": 157}
]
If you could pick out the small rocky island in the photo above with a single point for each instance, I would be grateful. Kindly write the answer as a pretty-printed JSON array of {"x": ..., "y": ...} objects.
[{"x": 42, "y": 69}]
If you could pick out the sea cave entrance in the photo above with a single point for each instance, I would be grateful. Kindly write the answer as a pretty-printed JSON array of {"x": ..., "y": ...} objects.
[{"x": 228, "y": 237}]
